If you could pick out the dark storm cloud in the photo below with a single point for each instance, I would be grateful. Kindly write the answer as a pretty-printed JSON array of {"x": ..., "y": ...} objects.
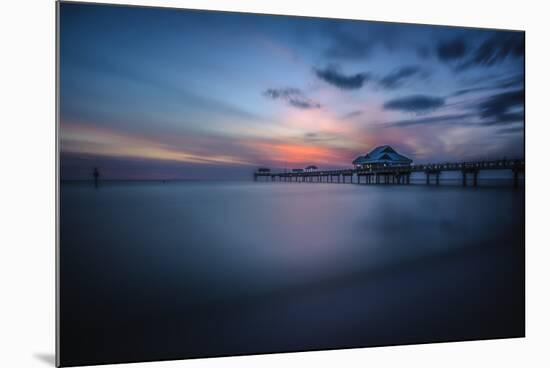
[
  {"x": 333, "y": 76},
  {"x": 451, "y": 50},
  {"x": 503, "y": 106},
  {"x": 398, "y": 77},
  {"x": 293, "y": 96},
  {"x": 462, "y": 119},
  {"x": 415, "y": 103}
]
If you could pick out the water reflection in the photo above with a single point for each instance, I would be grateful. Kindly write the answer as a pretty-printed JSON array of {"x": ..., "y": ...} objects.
[{"x": 187, "y": 254}]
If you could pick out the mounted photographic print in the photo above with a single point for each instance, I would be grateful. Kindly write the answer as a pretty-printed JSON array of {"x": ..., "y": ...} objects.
[{"x": 234, "y": 184}]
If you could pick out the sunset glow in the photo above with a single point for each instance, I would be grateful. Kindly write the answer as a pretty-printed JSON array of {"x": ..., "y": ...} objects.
[{"x": 198, "y": 89}]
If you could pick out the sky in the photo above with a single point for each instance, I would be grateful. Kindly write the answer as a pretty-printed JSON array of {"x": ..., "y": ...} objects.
[{"x": 152, "y": 93}]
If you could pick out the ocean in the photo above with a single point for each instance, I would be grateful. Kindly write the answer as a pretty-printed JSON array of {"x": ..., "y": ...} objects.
[{"x": 171, "y": 270}]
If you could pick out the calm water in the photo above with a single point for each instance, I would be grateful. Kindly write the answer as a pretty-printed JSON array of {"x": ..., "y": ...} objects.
[{"x": 172, "y": 270}]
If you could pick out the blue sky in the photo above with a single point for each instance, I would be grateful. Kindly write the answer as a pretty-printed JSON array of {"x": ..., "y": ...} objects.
[{"x": 151, "y": 93}]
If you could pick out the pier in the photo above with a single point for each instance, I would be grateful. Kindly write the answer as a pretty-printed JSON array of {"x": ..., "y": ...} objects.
[{"x": 396, "y": 174}]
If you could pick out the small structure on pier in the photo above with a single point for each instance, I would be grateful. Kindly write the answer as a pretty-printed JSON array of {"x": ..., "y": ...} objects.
[
  {"x": 381, "y": 156},
  {"x": 262, "y": 172},
  {"x": 383, "y": 165}
]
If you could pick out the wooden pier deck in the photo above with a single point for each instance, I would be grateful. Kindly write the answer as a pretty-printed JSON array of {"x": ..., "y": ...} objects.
[{"x": 397, "y": 174}]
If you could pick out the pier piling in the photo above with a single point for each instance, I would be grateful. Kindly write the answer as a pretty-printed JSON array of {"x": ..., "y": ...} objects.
[{"x": 395, "y": 174}]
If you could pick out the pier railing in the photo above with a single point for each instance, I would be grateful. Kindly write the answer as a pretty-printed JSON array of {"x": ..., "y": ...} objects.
[{"x": 396, "y": 174}]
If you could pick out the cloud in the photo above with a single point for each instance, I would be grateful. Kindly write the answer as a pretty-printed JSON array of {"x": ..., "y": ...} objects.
[
  {"x": 515, "y": 81},
  {"x": 352, "y": 114},
  {"x": 345, "y": 45},
  {"x": 436, "y": 120},
  {"x": 415, "y": 103},
  {"x": 423, "y": 52},
  {"x": 496, "y": 49},
  {"x": 508, "y": 118},
  {"x": 451, "y": 50},
  {"x": 395, "y": 79},
  {"x": 503, "y": 107},
  {"x": 398, "y": 77},
  {"x": 360, "y": 40},
  {"x": 512, "y": 130},
  {"x": 499, "y": 109},
  {"x": 98, "y": 66},
  {"x": 318, "y": 137},
  {"x": 465, "y": 91},
  {"x": 293, "y": 96},
  {"x": 333, "y": 76}
]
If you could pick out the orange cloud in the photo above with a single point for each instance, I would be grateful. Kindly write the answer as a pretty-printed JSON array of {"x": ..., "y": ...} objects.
[
  {"x": 280, "y": 153},
  {"x": 88, "y": 139}
]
